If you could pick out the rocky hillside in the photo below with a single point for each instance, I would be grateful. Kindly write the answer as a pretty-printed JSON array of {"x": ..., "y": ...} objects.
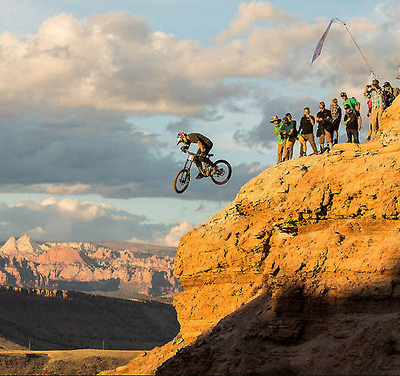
[
  {"x": 60, "y": 319},
  {"x": 129, "y": 271},
  {"x": 299, "y": 274}
]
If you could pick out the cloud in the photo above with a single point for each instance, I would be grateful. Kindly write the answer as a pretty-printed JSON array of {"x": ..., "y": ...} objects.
[
  {"x": 114, "y": 62},
  {"x": 249, "y": 14},
  {"x": 174, "y": 236},
  {"x": 106, "y": 62},
  {"x": 73, "y": 219}
]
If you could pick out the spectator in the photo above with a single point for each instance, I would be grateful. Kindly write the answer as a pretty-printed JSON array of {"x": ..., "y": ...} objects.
[
  {"x": 278, "y": 133},
  {"x": 352, "y": 120},
  {"x": 324, "y": 130},
  {"x": 374, "y": 92},
  {"x": 336, "y": 113},
  {"x": 295, "y": 136},
  {"x": 389, "y": 94},
  {"x": 352, "y": 102},
  {"x": 369, "y": 105},
  {"x": 289, "y": 133},
  {"x": 307, "y": 131}
]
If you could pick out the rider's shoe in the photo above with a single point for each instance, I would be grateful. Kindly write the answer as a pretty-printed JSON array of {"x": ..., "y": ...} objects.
[{"x": 200, "y": 176}]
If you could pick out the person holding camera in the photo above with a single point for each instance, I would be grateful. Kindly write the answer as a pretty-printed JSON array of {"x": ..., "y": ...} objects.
[
  {"x": 375, "y": 93},
  {"x": 307, "y": 131}
]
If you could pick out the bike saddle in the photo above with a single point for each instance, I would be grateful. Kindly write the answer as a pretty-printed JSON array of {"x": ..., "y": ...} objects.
[{"x": 210, "y": 155}]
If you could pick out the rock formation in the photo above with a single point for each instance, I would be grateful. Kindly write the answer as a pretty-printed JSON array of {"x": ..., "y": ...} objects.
[
  {"x": 87, "y": 267},
  {"x": 299, "y": 274}
]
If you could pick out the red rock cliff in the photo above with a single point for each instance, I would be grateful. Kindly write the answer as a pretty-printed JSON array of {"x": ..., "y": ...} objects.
[{"x": 325, "y": 228}]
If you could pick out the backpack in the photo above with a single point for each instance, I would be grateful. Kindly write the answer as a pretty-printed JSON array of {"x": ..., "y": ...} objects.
[{"x": 357, "y": 105}]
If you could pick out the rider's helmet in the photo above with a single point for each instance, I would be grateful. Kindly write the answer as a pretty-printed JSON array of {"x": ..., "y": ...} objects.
[{"x": 181, "y": 137}]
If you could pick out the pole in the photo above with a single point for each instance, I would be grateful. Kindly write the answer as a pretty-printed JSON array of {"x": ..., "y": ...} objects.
[{"x": 358, "y": 47}]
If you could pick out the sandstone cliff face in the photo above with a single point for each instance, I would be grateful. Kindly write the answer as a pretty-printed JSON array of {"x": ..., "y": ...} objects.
[
  {"x": 86, "y": 267},
  {"x": 302, "y": 242}
]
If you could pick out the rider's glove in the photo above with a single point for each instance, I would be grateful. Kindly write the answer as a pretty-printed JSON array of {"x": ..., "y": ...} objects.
[{"x": 184, "y": 148}]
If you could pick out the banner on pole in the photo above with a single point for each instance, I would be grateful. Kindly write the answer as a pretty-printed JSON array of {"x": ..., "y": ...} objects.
[{"x": 320, "y": 44}]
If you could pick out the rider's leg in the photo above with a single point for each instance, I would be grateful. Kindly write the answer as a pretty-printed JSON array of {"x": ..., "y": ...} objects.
[{"x": 203, "y": 157}]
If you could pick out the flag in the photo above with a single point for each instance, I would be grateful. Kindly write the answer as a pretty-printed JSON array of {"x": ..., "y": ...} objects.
[{"x": 320, "y": 44}]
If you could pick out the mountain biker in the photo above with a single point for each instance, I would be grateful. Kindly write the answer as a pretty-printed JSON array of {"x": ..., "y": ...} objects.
[{"x": 205, "y": 145}]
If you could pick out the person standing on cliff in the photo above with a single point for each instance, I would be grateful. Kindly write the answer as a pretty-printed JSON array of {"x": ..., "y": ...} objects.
[
  {"x": 389, "y": 94},
  {"x": 307, "y": 131},
  {"x": 352, "y": 102},
  {"x": 374, "y": 92},
  {"x": 352, "y": 120},
  {"x": 280, "y": 137},
  {"x": 295, "y": 136},
  {"x": 336, "y": 113},
  {"x": 289, "y": 132},
  {"x": 324, "y": 130}
]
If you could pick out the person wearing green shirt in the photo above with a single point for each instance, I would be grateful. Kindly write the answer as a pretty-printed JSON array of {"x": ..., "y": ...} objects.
[
  {"x": 352, "y": 102},
  {"x": 280, "y": 137}
]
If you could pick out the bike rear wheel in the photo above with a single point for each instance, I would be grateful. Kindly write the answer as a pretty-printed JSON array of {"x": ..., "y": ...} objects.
[
  {"x": 182, "y": 180},
  {"x": 223, "y": 173}
]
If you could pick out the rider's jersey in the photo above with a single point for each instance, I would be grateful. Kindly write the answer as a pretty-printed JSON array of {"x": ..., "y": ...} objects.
[{"x": 196, "y": 137}]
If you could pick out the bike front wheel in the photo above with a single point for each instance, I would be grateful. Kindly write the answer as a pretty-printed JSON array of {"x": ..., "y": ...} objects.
[
  {"x": 223, "y": 173},
  {"x": 182, "y": 180}
]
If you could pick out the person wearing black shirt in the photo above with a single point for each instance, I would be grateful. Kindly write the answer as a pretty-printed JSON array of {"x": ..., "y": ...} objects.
[
  {"x": 325, "y": 129},
  {"x": 352, "y": 120},
  {"x": 205, "y": 145},
  {"x": 307, "y": 131}
]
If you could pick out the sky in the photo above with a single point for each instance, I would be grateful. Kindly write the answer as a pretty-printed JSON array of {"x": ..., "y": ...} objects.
[{"x": 93, "y": 93}]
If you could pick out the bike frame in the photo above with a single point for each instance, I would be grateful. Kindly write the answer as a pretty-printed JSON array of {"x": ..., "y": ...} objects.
[{"x": 191, "y": 158}]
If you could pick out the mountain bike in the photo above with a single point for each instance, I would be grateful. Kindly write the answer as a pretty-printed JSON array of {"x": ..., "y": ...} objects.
[{"x": 220, "y": 173}]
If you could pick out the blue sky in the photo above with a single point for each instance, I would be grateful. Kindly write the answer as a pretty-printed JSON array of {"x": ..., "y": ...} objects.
[{"x": 93, "y": 93}]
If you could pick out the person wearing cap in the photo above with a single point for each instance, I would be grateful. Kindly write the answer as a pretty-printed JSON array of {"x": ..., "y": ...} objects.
[
  {"x": 352, "y": 120},
  {"x": 352, "y": 102},
  {"x": 336, "y": 113},
  {"x": 324, "y": 130},
  {"x": 307, "y": 131},
  {"x": 280, "y": 136},
  {"x": 374, "y": 92},
  {"x": 389, "y": 94}
]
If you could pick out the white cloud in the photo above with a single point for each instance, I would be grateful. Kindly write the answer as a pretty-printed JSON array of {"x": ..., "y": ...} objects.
[
  {"x": 114, "y": 62},
  {"x": 73, "y": 219},
  {"x": 175, "y": 234},
  {"x": 249, "y": 14}
]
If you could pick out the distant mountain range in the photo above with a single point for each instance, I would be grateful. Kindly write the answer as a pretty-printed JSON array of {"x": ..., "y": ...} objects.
[{"x": 116, "y": 269}]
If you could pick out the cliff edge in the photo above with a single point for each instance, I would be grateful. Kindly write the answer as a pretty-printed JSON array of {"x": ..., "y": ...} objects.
[{"x": 299, "y": 274}]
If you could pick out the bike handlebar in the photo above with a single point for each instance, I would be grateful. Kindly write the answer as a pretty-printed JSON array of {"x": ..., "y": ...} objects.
[{"x": 195, "y": 154}]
